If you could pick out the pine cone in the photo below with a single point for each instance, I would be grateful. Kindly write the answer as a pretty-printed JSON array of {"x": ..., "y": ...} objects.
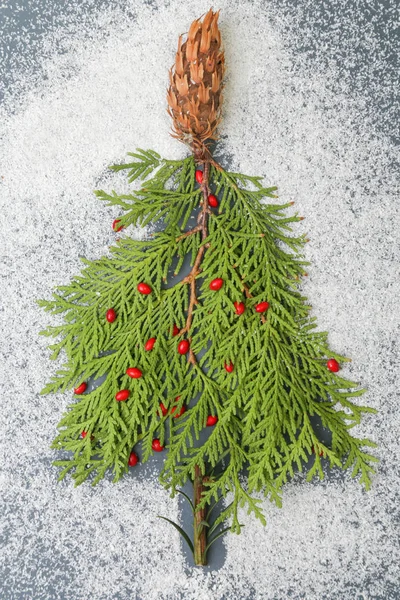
[{"x": 195, "y": 93}]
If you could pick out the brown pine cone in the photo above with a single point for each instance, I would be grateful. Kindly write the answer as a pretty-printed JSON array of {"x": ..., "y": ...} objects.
[{"x": 195, "y": 92}]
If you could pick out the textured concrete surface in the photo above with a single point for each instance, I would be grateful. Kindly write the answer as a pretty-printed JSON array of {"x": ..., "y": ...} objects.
[{"x": 311, "y": 104}]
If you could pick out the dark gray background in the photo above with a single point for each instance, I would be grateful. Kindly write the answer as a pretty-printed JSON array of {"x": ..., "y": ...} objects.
[{"x": 372, "y": 79}]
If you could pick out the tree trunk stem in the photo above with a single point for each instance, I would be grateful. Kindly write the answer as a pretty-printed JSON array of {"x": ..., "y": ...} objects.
[{"x": 200, "y": 530}]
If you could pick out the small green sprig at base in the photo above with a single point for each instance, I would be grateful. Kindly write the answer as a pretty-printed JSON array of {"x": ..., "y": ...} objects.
[{"x": 230, "y": 348}]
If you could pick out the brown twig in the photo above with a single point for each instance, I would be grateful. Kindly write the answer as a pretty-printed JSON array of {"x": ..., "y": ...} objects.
[
  {"x": 192, "y": 356},
  {"x": 187, "y": 233},
  {"x": 196, "y": 270},
  {"x": 200, "y": 532}
]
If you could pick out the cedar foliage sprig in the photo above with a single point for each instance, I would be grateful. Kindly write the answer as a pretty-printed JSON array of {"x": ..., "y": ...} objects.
[
  {"x": 280, "y": 380},
  {"x": 276, "y": 380}
]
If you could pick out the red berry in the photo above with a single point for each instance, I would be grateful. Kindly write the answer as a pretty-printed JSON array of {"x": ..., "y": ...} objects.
[
  {"x": 133, "y": 459},
  {"x": 313, "y": 451},
  {"x": 111, "y": 315},
  {"x": 199, "y": 176},
  {"x": 239, "y": 307},
  {"x": 262, "y": 307},
  {"x": 134, "y": 372},
  {"x": 180, "y": 412},
  {"x": 229, "y": 367},
  {"x": 183, "y": 347},
  {"x": 122, "y": 395},
  {"x": 213, "y": 201},
  {"x": 333, "y": 365},
  {"x": 164, "y": 410},
  {"x": 80, "y": 389},
  {"x": 149, "y": 345},
  {"x": 211, "y": 420},
  {"x": 143, "y": 288},
  {"x": 156, "y": 445},
  {"x": 84, "y": 434},
  {"x": 175, "y": 330},
  {"x": 115, "y": 223},
  {"x": 216, "y": 284}
]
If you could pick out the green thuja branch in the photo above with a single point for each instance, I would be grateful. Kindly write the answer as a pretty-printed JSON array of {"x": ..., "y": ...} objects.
[
  {"x": 261, "y": 376},
  {"x": 220, "y": 367}
]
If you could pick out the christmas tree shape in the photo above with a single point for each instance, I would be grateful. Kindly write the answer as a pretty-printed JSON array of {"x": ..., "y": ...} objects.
[{"x": 229, "y": 348}]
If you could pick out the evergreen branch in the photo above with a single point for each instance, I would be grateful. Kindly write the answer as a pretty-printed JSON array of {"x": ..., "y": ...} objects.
[
  {"x": 280, "y": 377},
  {"x": 145, "y": 163}
]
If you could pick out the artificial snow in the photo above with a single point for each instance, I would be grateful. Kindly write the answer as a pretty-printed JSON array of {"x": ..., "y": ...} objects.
[{"x": 305, "y": 111}]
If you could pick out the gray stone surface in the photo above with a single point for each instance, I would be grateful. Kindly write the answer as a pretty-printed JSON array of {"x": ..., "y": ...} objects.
[{"x": 58, "y": 542}]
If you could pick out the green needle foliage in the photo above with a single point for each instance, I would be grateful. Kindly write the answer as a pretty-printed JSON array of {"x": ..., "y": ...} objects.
[{"x": 280, "y": 379}]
